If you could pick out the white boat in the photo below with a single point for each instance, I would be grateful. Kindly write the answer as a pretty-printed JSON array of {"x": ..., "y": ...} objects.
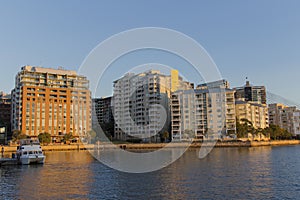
[{"x": 30, "y": 151}]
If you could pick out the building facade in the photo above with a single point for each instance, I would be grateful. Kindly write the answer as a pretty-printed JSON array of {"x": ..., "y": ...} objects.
[
  {"x": 286, "y": 117},
  {"x": 256, "y": 113},
  {"x": 276, "y": 116},
  {"x": 255, "y": 94},
  {"x": 203, "y": 112},
  {"x": 56, "y": 101},
  {"x": 225, "y": 98},
  {"x": 103, "y": 115},
  {"x": 188, "y": 114},
  {"x": 141, "y": 104},
  {"x": 230, "y": 118},
  {"x": 5, "y": 116}
]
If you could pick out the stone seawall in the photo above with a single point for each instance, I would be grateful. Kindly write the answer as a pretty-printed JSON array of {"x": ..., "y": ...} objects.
[
  {"x": 72, "y": 147},
  {"x": 275, "y": 143},
  {"x": 79, "y": 147},
  {"x": 217, "y": 145}
]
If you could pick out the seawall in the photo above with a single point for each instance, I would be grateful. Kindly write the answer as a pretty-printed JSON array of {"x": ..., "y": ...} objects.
[{"x": 79, "y": 147}]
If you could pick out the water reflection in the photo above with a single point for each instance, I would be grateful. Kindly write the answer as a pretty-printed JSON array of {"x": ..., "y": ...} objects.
[
  {"x": 64, "y": 175},
  {"x": 226, "y": 173},
  {"x": 229, "y": 172}
]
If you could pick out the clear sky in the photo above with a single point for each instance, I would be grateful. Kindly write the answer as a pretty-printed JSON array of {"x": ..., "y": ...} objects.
[{"x": 255, "y": 39}]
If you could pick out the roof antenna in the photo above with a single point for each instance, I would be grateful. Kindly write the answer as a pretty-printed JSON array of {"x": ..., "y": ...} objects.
[{"x": 247, "y": 81}]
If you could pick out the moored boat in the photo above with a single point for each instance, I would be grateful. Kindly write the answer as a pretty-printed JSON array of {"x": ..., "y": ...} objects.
[{"x": 30, "y": 151}]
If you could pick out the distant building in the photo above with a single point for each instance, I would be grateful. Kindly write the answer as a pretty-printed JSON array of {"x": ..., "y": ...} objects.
[
  {"x": 188, "y": 114},
  {"x": 209, "y": 108},
  {"x": 214, "y": 84},
  {"x": 103, "y": 115},
  {"x": 5, "y": 116},
  {"x": 230, "y": 123},
  {"x": 228, "y": 106},
  {"x": 56, "y": 101},
  {"x": 286, "y": 117},
  {"x": 255, "y": 94},
  {"x": 254, "y": 112},
  {"x": 140, "y": 102},
  {"x": 276, "y": 116}
]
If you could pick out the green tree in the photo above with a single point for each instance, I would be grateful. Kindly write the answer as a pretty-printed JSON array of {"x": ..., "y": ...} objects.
[
  {"x": 241, "y": 130},
  {"x": 67, "y": 137},
  {"x": 164, "y": 136},
  {"x": 243, "y": 127},
  {"x": 18, "y": 135},
  {"x": 277, "y": 133},
  {"x": 44, "y": 138}
]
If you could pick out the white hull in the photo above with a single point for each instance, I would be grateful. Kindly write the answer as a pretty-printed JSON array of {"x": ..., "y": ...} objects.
[
  {"x": 29, "y": 152},
  {"x": 26, "y": 160}
]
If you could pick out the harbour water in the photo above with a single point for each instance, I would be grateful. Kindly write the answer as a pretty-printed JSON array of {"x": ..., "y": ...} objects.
[{"x": 226, "y": 173}]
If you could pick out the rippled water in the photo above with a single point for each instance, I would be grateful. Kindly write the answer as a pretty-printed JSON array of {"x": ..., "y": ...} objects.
[{"x": 226, "y": 173}]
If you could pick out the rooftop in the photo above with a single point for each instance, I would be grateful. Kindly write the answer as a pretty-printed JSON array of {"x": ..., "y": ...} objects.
[{"x": 60, "y": 70}]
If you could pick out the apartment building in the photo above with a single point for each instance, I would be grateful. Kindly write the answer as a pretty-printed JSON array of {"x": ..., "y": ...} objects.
[
  {"x": 103, "y": 114},
  {"x": 276, "y": 115},
  {"x": 56, "y": 101},
  {"x": 230, "y": 118},
  {"x": 248, "y": 92},
  {"x": 254, "y": 112},
  {"x": 286, "y": 117},
  {"x": 5, "y": 115},
  {"x": 141, "y": 104},
  {"x": 188, "y": 114},
  {"x": 209, "y": 109},
  {"x": 227, "y": 96}
]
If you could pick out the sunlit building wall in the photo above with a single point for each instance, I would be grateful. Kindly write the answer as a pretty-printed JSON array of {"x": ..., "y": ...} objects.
[
  {"x": 134, "y": 100},
  {"x": 248, "y": 92},
  {"x": 286, "y": 117},
  {"x": 56, "y": 101},
  {"x": 256, "y": 113},
  {"x": 209, "y": 109}
]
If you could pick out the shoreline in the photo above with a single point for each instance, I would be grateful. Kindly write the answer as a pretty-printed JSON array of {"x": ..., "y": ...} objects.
[{"x": 81, "y": 147}]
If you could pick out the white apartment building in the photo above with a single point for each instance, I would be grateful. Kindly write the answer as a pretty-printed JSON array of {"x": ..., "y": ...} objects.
[
  {"x": 286, "y": 117},
  {"x": 141, "y": 105},
  {"x": 254, "y": 112},
  {"x": 208, "y": 111}
]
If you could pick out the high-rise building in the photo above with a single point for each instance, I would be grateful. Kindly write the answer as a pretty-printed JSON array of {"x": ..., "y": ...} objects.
[
  {"x": 227, "y": 97},
  {"x": 276, "y": 115},
  {"x": 5, "y": 115},
  {"x": 141, "y": 104},
  {"x": 286, "y": 117},
  {"x": 256, "y": 113},
  {"x": 209, "y": 108},
  {"x": 214, "y": 84},
  {"x": 255, "y": 94},
  {"x": 103, "y": 115},
  {"x": 230, "y": 118},
  {"x": 56, "y": 101},
  {"x": 189, "y": 114}
]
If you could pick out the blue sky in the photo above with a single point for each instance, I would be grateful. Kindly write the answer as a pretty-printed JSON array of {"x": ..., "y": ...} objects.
[{"x": 255, "y": 39}]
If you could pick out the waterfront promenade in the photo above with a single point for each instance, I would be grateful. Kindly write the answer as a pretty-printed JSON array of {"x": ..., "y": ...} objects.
[{"x": 79, "y": 147}]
